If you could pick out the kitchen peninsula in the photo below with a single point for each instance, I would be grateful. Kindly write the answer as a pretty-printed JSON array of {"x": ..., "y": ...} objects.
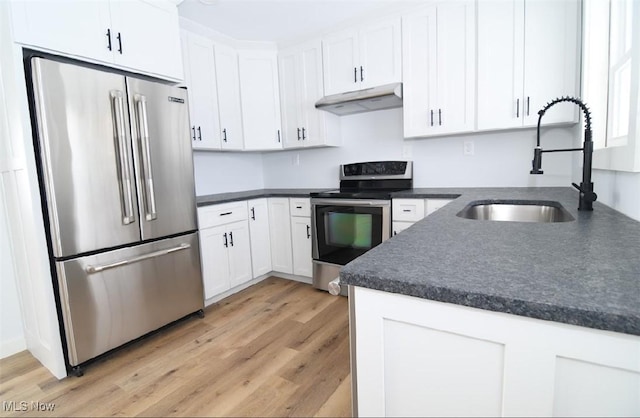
[{"x": 473, "y": 317}]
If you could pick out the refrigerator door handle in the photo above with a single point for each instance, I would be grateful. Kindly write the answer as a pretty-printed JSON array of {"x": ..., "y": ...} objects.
[
  {"x": 123, "y": 158},
  {"x": 98, "y": 269},
  {"x": 147, "y": 172}
]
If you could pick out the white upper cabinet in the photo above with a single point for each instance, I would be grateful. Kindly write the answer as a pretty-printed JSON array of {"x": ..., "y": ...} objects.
[
  {"x": 200, "y": 75},
  {"x": 300, "y": 71},
  {"x": 528, "y": 54},
  {"x": 260, "y": 100},
  {"x": 362, "y": 58},
  {"x": 228, "y": 86},
  {"x": 136, "y": 35},
  {"x": 439, "y": 69}
]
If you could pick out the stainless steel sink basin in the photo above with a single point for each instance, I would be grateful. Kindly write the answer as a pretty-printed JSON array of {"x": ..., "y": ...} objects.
[{"x": 516, "y": 211}]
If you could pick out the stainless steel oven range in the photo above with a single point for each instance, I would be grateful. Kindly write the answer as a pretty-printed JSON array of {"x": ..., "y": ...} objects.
[{"x": 350, "y": 221}]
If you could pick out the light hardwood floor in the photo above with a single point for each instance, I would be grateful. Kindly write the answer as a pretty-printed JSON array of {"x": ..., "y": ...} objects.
[{"x": 278, "y": 348}]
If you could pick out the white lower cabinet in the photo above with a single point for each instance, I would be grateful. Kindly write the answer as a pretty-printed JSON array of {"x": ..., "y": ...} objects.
[
  {"x": 406, "y": 212},
  {"x": 280, "y": 233},
  {"x": 225, "y": 249},
  {"x": 260, "y": 240},
  {"x": 417, "y": 357},
  {"x": 301, "y": 236}
]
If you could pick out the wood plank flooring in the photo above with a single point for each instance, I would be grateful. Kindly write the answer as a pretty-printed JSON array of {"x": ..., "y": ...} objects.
[{"x": 278, "y": 348}]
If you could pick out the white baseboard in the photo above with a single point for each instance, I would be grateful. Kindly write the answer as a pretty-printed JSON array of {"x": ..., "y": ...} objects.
[
  {"x": 258, "y": 279},
  {"x": 11, "y": 347}
]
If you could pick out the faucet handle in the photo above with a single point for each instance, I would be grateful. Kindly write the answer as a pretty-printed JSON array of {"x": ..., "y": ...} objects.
[{"x": 589, "y": 195}]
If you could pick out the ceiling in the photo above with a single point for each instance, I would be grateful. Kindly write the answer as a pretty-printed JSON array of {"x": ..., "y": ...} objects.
[{"x": 279, "y": 20}]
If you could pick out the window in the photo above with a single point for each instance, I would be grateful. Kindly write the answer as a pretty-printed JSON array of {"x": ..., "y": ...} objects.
[{"x": 611, "y": 80}]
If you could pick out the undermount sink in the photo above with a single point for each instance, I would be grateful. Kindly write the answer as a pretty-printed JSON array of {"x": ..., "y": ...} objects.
[{"x": 516, "y": 211}]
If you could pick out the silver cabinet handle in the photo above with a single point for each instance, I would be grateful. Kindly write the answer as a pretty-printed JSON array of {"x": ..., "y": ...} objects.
[
  {"x": 123, "y": 158},
  {"x": 147, "y": 172},
  {"x": 304, "y": 135},
  {"x": 517, "y": 108},
  {"x": 298, "y": 134},
  {"x": 527, "y": 105},
  {"x": 98, "y": 269}
]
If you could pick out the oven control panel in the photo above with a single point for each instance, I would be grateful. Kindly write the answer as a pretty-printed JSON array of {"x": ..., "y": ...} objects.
[{"x": 388, "y": 169}]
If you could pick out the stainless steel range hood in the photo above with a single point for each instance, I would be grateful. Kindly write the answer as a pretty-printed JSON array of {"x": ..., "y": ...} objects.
[{"x": 374, "y": 98}]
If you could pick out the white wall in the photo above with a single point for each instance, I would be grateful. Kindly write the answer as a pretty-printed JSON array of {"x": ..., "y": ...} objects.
[
  {"x": 619, "y": 190},
  {"x": 501, "y": 159},
  {"x": 220, "y": 172}
]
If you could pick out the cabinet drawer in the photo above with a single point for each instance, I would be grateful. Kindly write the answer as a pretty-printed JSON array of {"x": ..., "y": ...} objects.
[
  {"x": 432, "y": 205},
  {"x": 222, "y": 214},
  {"x": 411, "y": 210},
  {"x": 300, "y": 206}
]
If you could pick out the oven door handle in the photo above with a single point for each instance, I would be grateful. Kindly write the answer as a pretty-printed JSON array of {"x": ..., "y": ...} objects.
[{"x": 351, "y": 202}]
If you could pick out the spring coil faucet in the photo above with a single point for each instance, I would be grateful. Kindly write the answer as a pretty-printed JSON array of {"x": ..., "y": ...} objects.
[{"x": 587, "y": 196}]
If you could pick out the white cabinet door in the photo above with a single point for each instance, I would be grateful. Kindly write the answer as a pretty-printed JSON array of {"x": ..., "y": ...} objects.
[
  {"x": 290, "y": 105},
  {"x": 311, "y": 88},
  {"x": 77, "y": 28},
  {"x": 500, "y": 64},
  {"x": 528, "y": 55},
  {"x": 301, "y": 87},
  {"x": 239, "y": 253},
  {"x": 228, "y": 86},
  {"x": 215, "y": 260},
  {"x": 280, "y": 234},
  {"x": 259, "y": 232},
  {"x": 301, "y": 245},
  {"x": 397, "y": 227},
  {"x": 260, "y": 100},
  {"x": 147, "y": 36},
  {"x": 551, "y": 57},
  {"x": 203, "y": 95},
  {"x": 431, "y": 205},
  {"x": 380, "y": 48},
  {"x": 355, "y": 59},
  {"x": 339, "y": 53},
  {"x": 439, "y": 64}
]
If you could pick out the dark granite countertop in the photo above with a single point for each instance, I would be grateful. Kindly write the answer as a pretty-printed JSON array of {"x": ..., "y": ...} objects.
[
  {"x": 584, "y": 272},
  {"x": 213, "y": 199}
]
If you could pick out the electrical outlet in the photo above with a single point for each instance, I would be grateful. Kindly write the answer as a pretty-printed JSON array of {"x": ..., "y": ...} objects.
[
  {"x": 468, "y": 148},
  {"x": 407, "y": 151}
]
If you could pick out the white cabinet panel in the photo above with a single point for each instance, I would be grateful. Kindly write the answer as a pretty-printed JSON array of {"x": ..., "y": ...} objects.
[
  {"x": 200, "y": 74},
  {"x": 239, "y": 253},
  {"x": 301, "y": 245},
  {"x": 528, "y": 55},
  {"x": 380, "y": 47},
  {"x": 360, "y": 58},
  {"x": 439, "y": 69},
  {"x": 149, "y": 36},
  {"x": 136, "y": 35},
  {"x": 260, "y": 241},
  {"x": 397, "y": 227},
  {"x": 431, "y": 205},
  {"x": 280, "y": 234},
  {"x": 76, "y": 27},
  {"x": 228, "y": 85},
  {"x": 300, "y": 88},
  {"x": 215, "y": 261},
  {"x": 339, "y": 52},
  {"x": 260, "y": 100},
  {"x": 417, "y": 357}
]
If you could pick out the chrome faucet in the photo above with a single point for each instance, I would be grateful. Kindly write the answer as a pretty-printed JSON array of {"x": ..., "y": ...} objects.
[{"x": 587, "y": 196}]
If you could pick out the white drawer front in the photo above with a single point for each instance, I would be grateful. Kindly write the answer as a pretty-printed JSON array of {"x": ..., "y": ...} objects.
[
  {"x": 300, "y": 206},
  {"x": 222, "y": 214},
  {"x": 411, "y": 210},
  {"x": 432, "y": 205}
]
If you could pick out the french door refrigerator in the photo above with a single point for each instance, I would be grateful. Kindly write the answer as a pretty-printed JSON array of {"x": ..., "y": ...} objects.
[{"x": 116, "y": 171}]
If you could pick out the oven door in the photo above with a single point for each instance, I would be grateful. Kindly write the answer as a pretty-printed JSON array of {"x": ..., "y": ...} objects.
[{"x": 344, "y": 229}]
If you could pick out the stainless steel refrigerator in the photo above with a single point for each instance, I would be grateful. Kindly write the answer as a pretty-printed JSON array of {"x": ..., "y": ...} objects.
[{"x": 116, "y": 171}]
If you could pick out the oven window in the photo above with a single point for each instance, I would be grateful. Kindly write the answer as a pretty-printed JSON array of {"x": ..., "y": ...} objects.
[
  {"x": 349, "y": 229},
  {"x": 344, "y": 233}
]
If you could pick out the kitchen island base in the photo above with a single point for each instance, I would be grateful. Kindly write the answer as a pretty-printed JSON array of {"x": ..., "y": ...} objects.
[{"x": 418, "y": 357}]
